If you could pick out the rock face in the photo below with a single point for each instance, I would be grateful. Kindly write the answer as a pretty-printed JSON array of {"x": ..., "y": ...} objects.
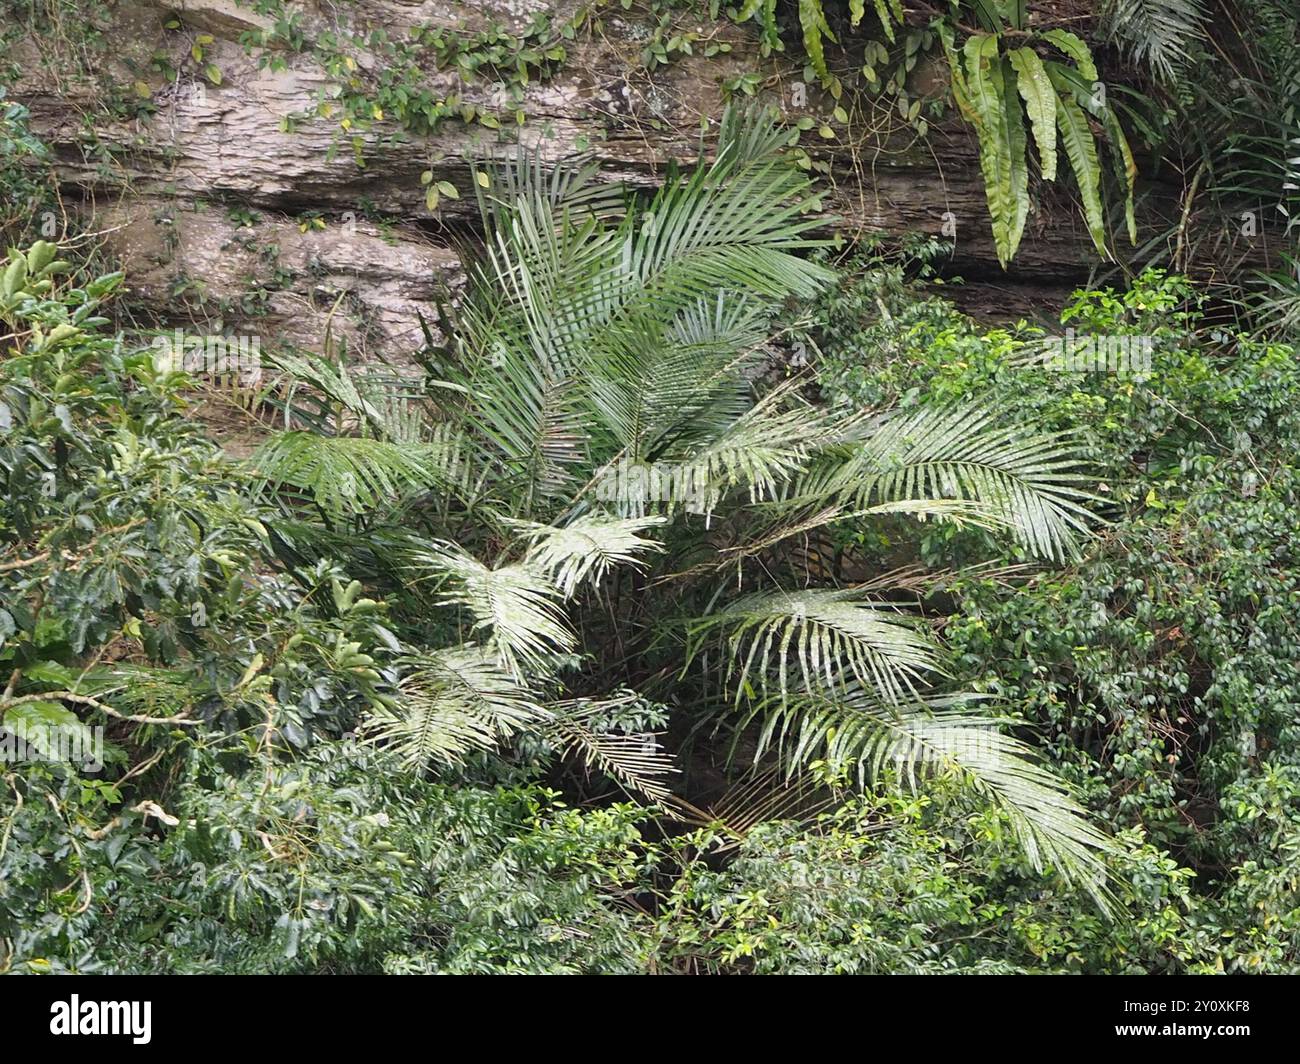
[{"x": 225, "y": 200}]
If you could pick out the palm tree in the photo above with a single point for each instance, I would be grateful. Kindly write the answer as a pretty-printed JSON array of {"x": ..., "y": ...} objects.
[{"x": 595, "y": 493}]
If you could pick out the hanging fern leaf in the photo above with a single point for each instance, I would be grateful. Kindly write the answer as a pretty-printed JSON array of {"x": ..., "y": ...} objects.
[
  {"x": 766, "y": 12},
  {"x": 813, "y": 21},
  {"x": 960, "y": 90},
  {"x": 1040, "y": 103},
  {"x": 1072, "y": 45},
  {"x": 1001, "y": 146},
  {"x": 889, "y": 12},
  {"x": 995, "y": 91},
  {"x": 1018, "y": 152},
  {"x": 1081, "y": 150}
]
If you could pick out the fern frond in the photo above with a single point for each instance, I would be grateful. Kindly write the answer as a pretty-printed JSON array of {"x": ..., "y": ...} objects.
[
  {"x": 1035, "y": 88},
  {"x": 812, "y": 20},
  {"x": 1073, "y": 45},
  {"x": 1000, "y": 128},
  {"x": 1081, "y": 150},
  {"x": 890, "y": 14},
  {"x": 1125, "y": 169}
]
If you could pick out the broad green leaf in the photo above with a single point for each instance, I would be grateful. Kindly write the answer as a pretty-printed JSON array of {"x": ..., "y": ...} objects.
[
  {"x": 1018, "y": 151},
  {"x": 1016, "y": 13},
  {"x": 988, "y": 14},
  {"x": 1005, "y": 182},
  {"x": 1040, "y": 102},
  {"x": 50, "y": 672},
  {"x": 1081, "y": 150},
  {"x": 1073, "y": 46}
]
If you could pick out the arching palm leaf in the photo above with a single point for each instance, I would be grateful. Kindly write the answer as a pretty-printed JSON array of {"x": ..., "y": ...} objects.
[
  {"x": 857, "y": 732},
  {"x": 636, "y": 762},
  {"x": 349, "y": 475},
  {"x": 451, "y": 702},
  {"x": 835, "y": 638},
  {"x": 513, "y": 606},
  {"x": 960, "y": 462},
  {"x": 588, "y": 548}
]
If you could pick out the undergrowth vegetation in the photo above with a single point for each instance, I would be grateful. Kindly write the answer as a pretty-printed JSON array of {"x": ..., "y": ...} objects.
[
  {"x": 348, "y": 690},
  {"x": 699, "y": 595}
]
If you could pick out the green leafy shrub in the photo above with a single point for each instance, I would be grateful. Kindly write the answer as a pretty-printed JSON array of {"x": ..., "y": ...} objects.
[{"x": 1162, "y": 667}]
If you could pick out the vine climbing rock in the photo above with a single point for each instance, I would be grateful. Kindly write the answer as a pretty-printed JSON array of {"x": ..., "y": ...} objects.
[{"x": 237, "y": 157}]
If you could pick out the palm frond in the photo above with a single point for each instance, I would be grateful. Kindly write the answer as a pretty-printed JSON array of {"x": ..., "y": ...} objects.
[
  {"x": 758, "y": 453},
  {"x": 856, "y": 731},
  {"x": 1156, "y": 32},
  {"x": 580, "y": 338},
  {"x": 835, "y": 638},
  {"x": 635, "y": 761},
  {"x": 349, "y": 475},
  {"x": 587, "y": 548},
  {"x": 451, "y": 702},
  {"x": 327, "y": 382},
  {"x": 524, "y": 416},
  {"x": 514, "y": 606},
  {"x": 762, "y": 795},
  {"x": 960, "y": 463},
  {"x": 572, "y": 188},
  {"x": 657, "y": 383},
  {"x": 145, "y": 690},
  {"x": 738, "y": 219}
]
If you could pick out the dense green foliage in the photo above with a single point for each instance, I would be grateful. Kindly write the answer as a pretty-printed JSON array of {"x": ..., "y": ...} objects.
[
  {"x": 247, "y": 833},
  {"x": 1162, "y": 669},
  {"x": 692, "y": 601},
  {"x": 152, "y": 584}
]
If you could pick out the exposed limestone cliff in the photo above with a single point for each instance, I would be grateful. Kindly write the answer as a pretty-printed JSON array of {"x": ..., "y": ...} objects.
[{"x": 175, "y": 191}]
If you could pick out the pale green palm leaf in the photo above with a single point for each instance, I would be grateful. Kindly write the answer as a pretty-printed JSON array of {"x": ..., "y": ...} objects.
[
  {"x": 588, "y": 548},
  {"x": 514, "y": 606},
  {"x": 452, "y": 702},
  {"x": 855, "y": 731},
  {"x": 835, "y": 638}
]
